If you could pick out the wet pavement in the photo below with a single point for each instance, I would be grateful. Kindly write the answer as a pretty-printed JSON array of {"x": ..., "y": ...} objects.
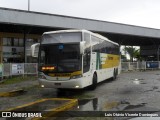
[{"x": 131, "y": 91}]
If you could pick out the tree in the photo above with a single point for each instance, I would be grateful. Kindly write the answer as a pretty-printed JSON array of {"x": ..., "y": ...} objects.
[
  {"x": 136, "y": 54},
  {"x": 132, "y": 52},
  {"x": 123, "y": 58}
]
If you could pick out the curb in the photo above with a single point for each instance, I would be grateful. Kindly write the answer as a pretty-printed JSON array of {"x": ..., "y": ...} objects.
[
  {"x": 51, "y": 112},
  {"x": 12, "y": 93}
]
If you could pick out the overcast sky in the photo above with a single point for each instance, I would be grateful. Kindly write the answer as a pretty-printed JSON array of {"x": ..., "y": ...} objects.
[{"x": 135, "y": 12}]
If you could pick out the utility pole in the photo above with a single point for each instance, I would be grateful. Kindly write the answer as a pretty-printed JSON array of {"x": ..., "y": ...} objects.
[
  {"x": 28, "y": 5},
  {"x": 158, "y": 54}
]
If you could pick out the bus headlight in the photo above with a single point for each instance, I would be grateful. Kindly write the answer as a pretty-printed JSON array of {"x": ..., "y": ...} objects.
[
  {"x": 75, "y": 76},
  {"x": 77, "y": 86}
]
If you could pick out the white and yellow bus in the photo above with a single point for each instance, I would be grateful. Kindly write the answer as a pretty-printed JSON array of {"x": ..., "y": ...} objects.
[{"x": 76, "y": 59}]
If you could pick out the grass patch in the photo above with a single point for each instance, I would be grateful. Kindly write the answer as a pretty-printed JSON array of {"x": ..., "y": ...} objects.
[{"x": 17, "y": 79}]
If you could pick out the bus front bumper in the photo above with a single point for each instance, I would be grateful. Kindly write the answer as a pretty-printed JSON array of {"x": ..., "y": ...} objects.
[{"x": 72, "y": 83}]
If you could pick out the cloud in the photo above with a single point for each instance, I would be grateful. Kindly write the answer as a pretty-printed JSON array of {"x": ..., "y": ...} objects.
[
  {"x": 135, "y": 12},
  {"x": 143, "y": 14},
  {"x": 16, "y": 4}
]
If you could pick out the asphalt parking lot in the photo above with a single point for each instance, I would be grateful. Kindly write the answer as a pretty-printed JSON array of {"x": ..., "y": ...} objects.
[{"x": 135, "y": 90}]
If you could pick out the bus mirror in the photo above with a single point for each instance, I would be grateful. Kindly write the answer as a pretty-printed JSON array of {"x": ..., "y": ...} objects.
[
  {"x": 82, "y": 45},
  {"x": 35, "y": 49}
]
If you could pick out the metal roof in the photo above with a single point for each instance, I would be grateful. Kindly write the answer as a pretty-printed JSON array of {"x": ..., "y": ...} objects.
[{"x": 44, "y": 21}]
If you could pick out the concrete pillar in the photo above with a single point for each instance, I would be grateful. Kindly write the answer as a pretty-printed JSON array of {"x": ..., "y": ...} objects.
[
  {"x": 24, "y": 38},
  {"x": 1, "y": 50}
]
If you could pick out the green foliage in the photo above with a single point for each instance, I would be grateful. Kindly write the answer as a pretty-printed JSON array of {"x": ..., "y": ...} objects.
[
  {"x": 123, "y": 57},
  {"x": 17, "y": 79},
  {"x": 133, "y": 52}
]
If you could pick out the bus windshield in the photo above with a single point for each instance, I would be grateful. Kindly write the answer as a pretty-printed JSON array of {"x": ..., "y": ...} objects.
[
  {"x": 61, "y": 38},
  {"x": 64, "y": 57}
]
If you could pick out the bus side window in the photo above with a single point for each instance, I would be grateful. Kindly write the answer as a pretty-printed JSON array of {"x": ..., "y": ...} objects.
[
  {"x": 86, "y": 61},
  {"x": 87, "y": 53},
  {"x": 95, "y": 44}
]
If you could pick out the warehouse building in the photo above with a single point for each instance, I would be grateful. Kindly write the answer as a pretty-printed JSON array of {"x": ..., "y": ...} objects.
[{"x": 20, "y": 29}]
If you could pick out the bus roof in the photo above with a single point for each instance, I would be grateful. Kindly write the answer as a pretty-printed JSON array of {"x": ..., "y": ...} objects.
[{"x": 76, "y": 30}]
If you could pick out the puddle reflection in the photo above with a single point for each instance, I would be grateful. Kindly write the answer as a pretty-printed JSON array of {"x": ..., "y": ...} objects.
[
  {"x": 88, "y": 105},
  {"x": 138, "y": 81}
]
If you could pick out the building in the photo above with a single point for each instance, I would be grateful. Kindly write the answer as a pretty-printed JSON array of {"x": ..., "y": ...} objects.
[{"x": 19, "y": 29}]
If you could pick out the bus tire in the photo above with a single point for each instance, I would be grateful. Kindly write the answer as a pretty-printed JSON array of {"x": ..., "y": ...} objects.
[
  {"x": 94, "y": 82},
  {"x": 114, "y": 74}
]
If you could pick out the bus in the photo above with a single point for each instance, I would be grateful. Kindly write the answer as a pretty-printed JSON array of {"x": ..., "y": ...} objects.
[{"x": 75, "y": 59}]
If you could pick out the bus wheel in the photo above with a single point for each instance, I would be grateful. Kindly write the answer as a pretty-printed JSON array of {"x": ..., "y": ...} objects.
[
  {"x": 114, "y": 74},
  {"x": 94, "y": 82}
]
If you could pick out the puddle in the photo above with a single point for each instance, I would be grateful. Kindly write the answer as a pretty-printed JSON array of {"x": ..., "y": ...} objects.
[
  {"x": 152, "y": 89},
  {"x": 141, "y": 79},
  {"x": 96, "y": 104},
  {"x": 126, "y": 105},
  {"x": 157, "y": 74},
  {"x": 88, "y": 104},
  {"x": 102, "y": 104},
  {"x": 129, "y": 107},
  {"x": 124, "y": 102},
  {"x": 148, "y": 90},
  {"x": 127, "y": 91},
  {"x": 138, "y": 81},
  {"x": 155, "y": 87}
]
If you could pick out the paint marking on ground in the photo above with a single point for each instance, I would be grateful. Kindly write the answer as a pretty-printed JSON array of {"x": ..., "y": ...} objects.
[
  {"x": 12, "y": 93},
  {"x": 45, "y": 106}
]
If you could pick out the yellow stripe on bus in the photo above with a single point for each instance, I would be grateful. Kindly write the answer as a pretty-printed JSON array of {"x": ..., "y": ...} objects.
[
  {"x": 65, "y": 74},
  {"x": 109, "y": 61}
]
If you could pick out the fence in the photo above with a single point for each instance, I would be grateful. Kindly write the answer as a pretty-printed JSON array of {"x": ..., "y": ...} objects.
[
  {"x": 12, "y": 69},
  {"x": 144, "y": 65}
]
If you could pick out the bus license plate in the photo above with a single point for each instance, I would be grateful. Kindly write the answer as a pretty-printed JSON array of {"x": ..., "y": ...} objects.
[{"x": 57, "y": 84}]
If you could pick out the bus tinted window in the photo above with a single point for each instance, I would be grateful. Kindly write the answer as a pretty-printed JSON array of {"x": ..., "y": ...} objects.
[
  {"x": 103, "y": 46},
  {"x": 87, "y": 53},
  {"x": 61, "y": 38},
  {"x": 95, "y": 44}
]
